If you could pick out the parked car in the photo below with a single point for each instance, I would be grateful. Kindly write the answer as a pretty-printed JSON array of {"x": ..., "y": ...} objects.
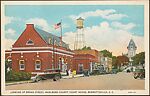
[
  {"x": 48, "y": 74},
  {"x": 128, "y": 71},
  {"x": 114, "y": 71},
  {"x": 139, "y": 73},
  {"x": 86, "y": 73}
]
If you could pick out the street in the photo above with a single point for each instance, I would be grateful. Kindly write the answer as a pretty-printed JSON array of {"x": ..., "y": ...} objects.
[{"x": 119, "y": 81}]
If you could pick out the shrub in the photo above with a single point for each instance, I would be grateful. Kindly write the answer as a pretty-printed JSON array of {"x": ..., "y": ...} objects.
[{"x": 17, "y": 76}]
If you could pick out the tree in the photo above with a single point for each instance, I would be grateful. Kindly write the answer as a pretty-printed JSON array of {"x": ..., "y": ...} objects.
[
  {"x": 139, "y": 58},
  {"x": 114, "y": 61},
  {"x": 122, "y": 60},
  {"x": 86, "y": 48},
  {"x": 7, "y": 65},
  {"x": 106, "y": 53}
]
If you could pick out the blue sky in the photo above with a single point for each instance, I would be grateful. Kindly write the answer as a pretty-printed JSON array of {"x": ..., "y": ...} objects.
[{"x": 130, "y": 18}]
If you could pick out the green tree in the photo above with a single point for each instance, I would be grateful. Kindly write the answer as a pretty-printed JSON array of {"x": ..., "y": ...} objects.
[
  {"x": 106, "y": 53},
  {"x": 86, "y": 48},
  {"x": 114, "y": 61},
  {"x": 139, "y": 58},
  {"x": 7, "y": 65}
]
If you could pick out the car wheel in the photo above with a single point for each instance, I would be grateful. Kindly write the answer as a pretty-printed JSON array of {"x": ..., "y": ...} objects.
[
  {"x": 135, "y": 77},
  {"x": 56, "y": 77}
]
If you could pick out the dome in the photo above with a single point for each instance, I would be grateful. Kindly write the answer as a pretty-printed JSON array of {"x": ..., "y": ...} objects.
[{"x": 131, "y": 44}]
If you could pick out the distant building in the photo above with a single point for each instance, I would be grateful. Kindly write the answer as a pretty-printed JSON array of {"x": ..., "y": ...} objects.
[
  {"x": 131, "y": 50},
  {"x": 92, "y": 52},
  {"x": 106, "y": 62},
  {"x": 85, "y": 60}
]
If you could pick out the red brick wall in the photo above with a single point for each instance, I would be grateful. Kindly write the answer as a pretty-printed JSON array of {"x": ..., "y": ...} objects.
[
  {"x": 45, "y": 57},
  {"x": 67, "y": 59},
  {"x": 30, "y": 59},
  {"x": 91, "y": 52},
  {"x": 30, "y": 33},
  {"x": 84, "y": 59}
]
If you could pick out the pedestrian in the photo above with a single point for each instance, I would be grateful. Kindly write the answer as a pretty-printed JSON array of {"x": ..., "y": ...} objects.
[
  {"x": 134, "y": 69},
  {"x": 67, "y": 72}
]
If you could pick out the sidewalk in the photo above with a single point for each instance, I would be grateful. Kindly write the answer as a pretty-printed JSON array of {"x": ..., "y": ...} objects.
[
  {"x": 19, "y": 82},
  {"x": 30, "y": 81},
  {"x": 70, "y": 77}
]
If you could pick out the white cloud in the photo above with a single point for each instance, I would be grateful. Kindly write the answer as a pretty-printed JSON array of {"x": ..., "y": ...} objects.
[
  {"x": 106, "y": 14},
  {"x": 114, "y": 16},
  {"x": 64, "y": 25},
  {"x": 9, "y": 43},
  {"x": 40, "y": 22},
  {"x": 44, "y": 24},
  {"x": 10, "y": 32},
  {"x": 119, "y": 25},
  {"x": 8, "y": 20},
  {"x": 104, "y": 36},
  {"x": 11, "y": 19}
]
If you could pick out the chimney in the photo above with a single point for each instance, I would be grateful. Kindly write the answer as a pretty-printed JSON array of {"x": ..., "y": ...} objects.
[{"x": 29, "y": 26}]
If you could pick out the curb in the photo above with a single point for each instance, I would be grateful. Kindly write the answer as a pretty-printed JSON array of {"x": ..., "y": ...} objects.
[
  {"x": 23, "y": 82},
  {"x": 15, "y": 83}
]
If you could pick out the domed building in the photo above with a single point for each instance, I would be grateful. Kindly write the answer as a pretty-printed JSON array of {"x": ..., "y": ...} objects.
[{"x": 131, "y": 50}]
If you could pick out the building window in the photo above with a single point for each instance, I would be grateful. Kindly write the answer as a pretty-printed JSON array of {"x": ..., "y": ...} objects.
[
  {"x": 22, "y": 64},
  {"x": 37, "y": 65},
  {"x": 29, "y": 42}
]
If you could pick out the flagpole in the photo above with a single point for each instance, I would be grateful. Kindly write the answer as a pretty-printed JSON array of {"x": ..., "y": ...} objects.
[{"x": 61, "y": 31}]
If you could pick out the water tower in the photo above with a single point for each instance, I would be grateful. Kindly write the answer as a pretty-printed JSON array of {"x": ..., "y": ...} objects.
[{"x": 79, "y": 38}]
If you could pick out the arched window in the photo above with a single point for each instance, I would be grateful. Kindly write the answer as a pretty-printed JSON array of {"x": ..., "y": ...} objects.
[
  {"x": 38, "y": 65},
  {"x": 30, "y": 42},
  {"x": 21, "y": 64}
]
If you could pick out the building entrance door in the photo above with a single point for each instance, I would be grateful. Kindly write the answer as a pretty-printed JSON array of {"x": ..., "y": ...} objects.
[
  {"x": 64, "y": 66},
  {"x": 80, "y": 68}
]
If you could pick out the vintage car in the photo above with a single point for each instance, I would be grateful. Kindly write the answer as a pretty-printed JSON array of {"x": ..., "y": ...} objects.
[
  {"x": 86, "y": 73},
  {"x": 139, "y": 73},
  {"x": 114, "y": 71},
  {"x": 52, "y": 74}
]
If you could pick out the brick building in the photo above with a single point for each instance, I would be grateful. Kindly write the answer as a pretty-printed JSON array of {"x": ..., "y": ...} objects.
[
  {"x": 37, "y": 50},
  {"x": 85, "y": 60},
  {"x": 92, "y": 52}
]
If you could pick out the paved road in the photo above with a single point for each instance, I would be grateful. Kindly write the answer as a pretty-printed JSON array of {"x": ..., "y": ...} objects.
[{"x": 120, "y": 81}]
